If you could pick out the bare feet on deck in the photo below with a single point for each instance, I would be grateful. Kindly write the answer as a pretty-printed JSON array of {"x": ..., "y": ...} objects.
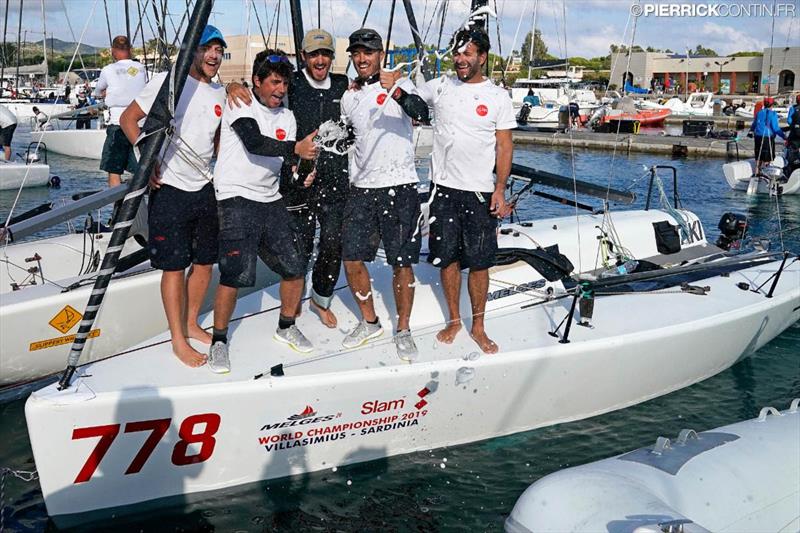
[
  {"x": 448, "y": 334},
  {"x": 188, "y": 355},
  {"x": 484, "y": 342},
  {"x": 197, "y": 333},
  {"x": 325, "y": 315}
]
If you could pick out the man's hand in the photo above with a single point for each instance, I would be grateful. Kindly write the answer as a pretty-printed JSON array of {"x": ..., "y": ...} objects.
[
  {"x": 498, "y": 205},
  {"x": 389, "y": 78},
  {"x": 310, "y": 179},
  {"x": 155, "y": 178},
  {"x": 238, "y": 94},
  {"x": 306, "y": 148}
]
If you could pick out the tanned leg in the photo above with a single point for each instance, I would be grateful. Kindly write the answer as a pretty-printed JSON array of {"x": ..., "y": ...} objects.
[
  {"x": 173, "y": 294},
  {"x": 114, "y": 179},
  {"x": 451, "y": 284},
  {"x": 224, "y": 304},
  {"x": 358, "y": 279},
  {"x": 196, "y": 288},
  {"x": 402, "y": 281},
  {"x": 7, "y": 152},
  {"x": 291, "y": 291},
  {"x": 478, "y": 285}
]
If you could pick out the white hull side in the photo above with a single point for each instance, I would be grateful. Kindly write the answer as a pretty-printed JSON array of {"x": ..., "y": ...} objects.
[
  {"x": 24, "y": 111},
  {"x": 739, "y": 173},
  {"x": 747, "y": 482},
  {"x": 534, "y": 382},
  {"x": 74, "y": 143},
  {"x": 12, "y": 175}
]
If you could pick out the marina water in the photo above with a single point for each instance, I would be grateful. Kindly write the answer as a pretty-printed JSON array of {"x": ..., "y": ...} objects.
[{"x": 471, "y": 487}]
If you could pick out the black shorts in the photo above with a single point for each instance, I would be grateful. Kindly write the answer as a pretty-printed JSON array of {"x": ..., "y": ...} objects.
[
  {"x": 117, "y": 152},
  {"x": 183, "y": 227},
  {"x": 764, "y": 148},
  {"x": 6, "y": 134},
  {"x": 464, "y": 229},
  {"x": 249, "y": 229},
  {"x": 388, "y": 214}
]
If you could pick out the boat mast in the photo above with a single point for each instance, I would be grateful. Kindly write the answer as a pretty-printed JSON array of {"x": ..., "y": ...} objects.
[
  {"x": 127, "y": 21},
  {"x": 156, "y": 124},
  {"x": 5, "y": 51},
  {"x": 481, "y": 22},
  {"x": 19, "y": 48},
  {"x": 412, "y": 22},
  {"x": 533, "y": 39},
  {"x": 297, "y": 32},
  {"x": 44, "y": 47}
]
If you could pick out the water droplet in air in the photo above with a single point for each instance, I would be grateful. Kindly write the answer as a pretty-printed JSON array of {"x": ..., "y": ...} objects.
[
  {"x": 349, "y": 482},
  {"x": 436, "y": 261}
]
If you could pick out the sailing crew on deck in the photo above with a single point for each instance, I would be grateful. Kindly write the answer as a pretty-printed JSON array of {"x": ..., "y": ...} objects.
[
  {"x": 255, "y": 140},
  {"x": 764, "y": 128},
  {"x": 314, "y": 97},
  {"x": 183, "y": 223},
  {"x": 383, "y": 203},
  {"x": 472, "y": 137},
  {"x": 119, "y": 83},
  {"x": 8, "y": 123}
]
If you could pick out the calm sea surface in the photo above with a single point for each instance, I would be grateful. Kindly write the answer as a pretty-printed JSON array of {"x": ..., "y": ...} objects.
[{"x": 481, "y": 482}]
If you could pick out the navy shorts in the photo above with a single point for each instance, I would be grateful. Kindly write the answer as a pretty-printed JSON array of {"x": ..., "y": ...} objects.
[
  {"x": 183, "y": 227},
  {"x": 464, "y": 229},
  {"x": 117, "y": 152},
  {"x": 248, "y": 230},
  {"x": 6, "y": 134},
  {"x": 388, "y": 214}
]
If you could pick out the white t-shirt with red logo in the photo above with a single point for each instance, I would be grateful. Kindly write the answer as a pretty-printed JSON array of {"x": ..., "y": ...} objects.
[
  {"x": 465, "y": 119},
  {"x": 384, "y": 147},
  {"x": 241, "y": 173},
  {"x": 198, "y": 114}
]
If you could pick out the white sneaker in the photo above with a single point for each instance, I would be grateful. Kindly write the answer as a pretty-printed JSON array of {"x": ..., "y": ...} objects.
[
  {"x": 294, "y": 338},
  {"x": 362, "y": 333},
  {"x": 218, "y": 360},
  {"x": 406, "y": 348}
]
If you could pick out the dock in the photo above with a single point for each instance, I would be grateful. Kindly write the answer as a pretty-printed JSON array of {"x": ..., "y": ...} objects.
[{"x": 626, "y": 143}]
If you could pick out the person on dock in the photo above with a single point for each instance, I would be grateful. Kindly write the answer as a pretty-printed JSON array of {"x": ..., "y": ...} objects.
[
  {"x": 183, "y": 223},
  {"x": 764, "y": 129},
  {"x": 255, "y": 140},
  {"x": 383, "y": 202},
  {"x": 314, "y": 97},
  {"x": 8, "y": 124},
  {"x": 119, "y": 83},
  {"x": 471, "y": 141}
]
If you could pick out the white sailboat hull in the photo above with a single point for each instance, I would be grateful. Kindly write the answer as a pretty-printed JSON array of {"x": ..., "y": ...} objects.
[
  {"x": 24, "y": 110},
  {"x": 209, "y": 431},
  {"x": 74, "y": 143},
  {"x": 739, "y": 175},
  {"x": 13, "y": 175}
]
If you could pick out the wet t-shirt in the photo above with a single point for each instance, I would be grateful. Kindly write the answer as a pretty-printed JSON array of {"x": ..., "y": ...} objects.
[
  {"x": 466, "y": 117},
  {"x": 384, "y": 150}
]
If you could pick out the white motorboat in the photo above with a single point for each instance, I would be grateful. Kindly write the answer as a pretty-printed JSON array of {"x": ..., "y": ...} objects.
[
  {"x": 14, "y": 174},
  {"x": 561, "y": 90},
  {"x": 740, "y": 477},
  {"x": 741, "y": 176},
  {"x": 143, "y": 427},
  {"x": 74, "y": 143},
  {"x": 697, "y": 104},
  {"x": 24, "y": 110}
]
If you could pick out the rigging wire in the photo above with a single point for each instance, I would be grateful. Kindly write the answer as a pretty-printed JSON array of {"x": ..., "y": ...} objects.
[
  {"x": 499, "y": 43},
  {"x": 260, "y": 27},
  {"x": 108, "y": 23},
  {"x": 389, "y": 33}
]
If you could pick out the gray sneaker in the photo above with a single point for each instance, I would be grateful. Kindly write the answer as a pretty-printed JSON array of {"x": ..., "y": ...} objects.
[
  {"x": 406, "y": 348},
  {"x": 218, "y": 360},
  {"x": 362, "y": 333},
  {"x": 294, "y": 338}
]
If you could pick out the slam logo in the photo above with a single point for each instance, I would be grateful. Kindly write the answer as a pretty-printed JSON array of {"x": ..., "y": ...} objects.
[{"x": 305, "y": 413}]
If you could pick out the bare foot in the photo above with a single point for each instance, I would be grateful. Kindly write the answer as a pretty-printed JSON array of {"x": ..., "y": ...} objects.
[
  {"x": 484, "y": 342},
  {"x": 448, "y": 334},
  {"x": 188, "y": 355},
  {"x": 325, "y": 315},
  {"x": 197, "y": 333}
]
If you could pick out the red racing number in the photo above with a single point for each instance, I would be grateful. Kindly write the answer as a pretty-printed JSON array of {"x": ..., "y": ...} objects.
[{"x": 157, "y": 428}]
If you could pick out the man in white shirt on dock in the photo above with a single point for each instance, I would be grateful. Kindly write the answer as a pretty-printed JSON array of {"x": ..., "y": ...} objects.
[{"x": 119, "y": 83}]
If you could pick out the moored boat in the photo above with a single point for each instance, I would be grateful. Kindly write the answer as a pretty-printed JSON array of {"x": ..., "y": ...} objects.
[
  {"x": 14, "y": 174},
  {"x": 775, "y": 178},
  {"x": 87, "y": 144}
]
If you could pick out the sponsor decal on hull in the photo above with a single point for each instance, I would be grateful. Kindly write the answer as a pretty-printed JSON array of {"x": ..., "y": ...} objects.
[{"x": 58, "y": 341}]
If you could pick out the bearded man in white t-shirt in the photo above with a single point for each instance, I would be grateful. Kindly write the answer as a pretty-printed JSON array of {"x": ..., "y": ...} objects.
[
  {"x": 473, "y": 119},
  {"x": 183, "y": 225}
]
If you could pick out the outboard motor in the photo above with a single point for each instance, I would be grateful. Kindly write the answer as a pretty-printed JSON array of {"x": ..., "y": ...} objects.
[
  {"x": 525, "y": 110},
  {"x": 733, "y": 228}
]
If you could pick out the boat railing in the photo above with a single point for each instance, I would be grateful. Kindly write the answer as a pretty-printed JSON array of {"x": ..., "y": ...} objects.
[{"x": 653, "y": 174}]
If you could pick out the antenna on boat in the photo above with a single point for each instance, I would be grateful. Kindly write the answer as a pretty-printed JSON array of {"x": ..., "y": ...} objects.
[{"x": 158, "y": 120}]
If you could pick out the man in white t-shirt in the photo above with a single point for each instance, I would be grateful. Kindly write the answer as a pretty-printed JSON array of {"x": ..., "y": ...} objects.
[
  {"x": 183, "y": 224},
  {"x": 8, "y": 123},
  {"x": 119, "y": 83},
  {"x": 473, "y": 119},
  {"x": 254, "y": 222},
  {"x": 383, "y": 203}
]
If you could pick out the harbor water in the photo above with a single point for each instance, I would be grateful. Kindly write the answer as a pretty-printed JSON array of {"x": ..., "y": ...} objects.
[{"x": 471, "y": 487}]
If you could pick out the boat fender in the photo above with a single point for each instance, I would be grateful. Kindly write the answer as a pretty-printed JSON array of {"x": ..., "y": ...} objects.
[{"x": 55, "y": 182}]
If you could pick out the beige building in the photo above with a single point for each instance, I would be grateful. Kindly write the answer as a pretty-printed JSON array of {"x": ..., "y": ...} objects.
[
  {"x": 777, "y": 71},
  {"x": 239, "y": 56}
]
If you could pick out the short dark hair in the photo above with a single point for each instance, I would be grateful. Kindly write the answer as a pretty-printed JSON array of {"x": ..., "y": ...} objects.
[
  {"x": 269, "y": 61},
  {"x": 477, "y": 36}
]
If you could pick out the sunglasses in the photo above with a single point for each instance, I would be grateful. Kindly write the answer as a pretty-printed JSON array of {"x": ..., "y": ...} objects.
[{"x": 277, "y": 59}]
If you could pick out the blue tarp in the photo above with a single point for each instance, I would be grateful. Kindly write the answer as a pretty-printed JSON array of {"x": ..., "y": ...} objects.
[{"x": 635, "y": 90}]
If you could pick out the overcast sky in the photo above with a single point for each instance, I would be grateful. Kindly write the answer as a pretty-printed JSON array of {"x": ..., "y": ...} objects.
[{"x": 591, "y": 25}]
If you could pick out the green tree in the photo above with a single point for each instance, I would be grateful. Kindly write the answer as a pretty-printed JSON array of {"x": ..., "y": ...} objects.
[
  {"x": 539, "y": 48},
  {"x": 747, "y": 54},
  {"x": 8, "y": 54},
  {"x": 700, "y": 50}
]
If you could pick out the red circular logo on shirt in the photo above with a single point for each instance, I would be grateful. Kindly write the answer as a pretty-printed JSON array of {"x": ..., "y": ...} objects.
[
  {"x": 218, "y": 110},
  {"x": 280, "y": 134},
  {"x": 482, "y": 110},
  {"x": 381, "y": 98}
]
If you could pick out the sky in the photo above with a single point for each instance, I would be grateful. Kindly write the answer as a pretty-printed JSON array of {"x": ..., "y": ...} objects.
[{"x": 591, "y": 25}]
